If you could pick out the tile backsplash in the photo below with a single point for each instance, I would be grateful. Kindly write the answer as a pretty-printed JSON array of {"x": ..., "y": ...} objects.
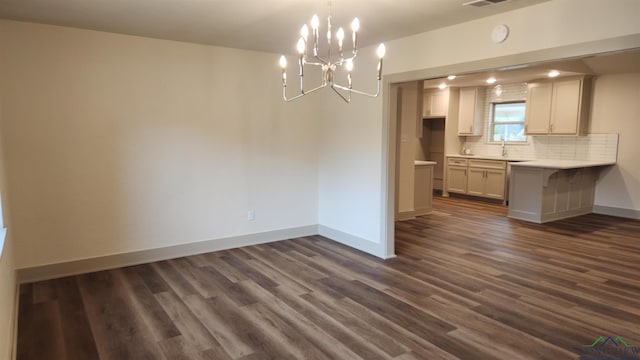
[{"x": 593, "y": 147}]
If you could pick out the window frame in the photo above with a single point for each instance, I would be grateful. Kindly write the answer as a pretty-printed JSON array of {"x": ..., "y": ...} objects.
[{"x": 490, "y": 127}]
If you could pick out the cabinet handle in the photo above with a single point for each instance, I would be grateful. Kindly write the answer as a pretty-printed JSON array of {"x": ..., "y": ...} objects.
[
  {"x": 471, "y": 128},
  {"x": 551, "y": 127}
]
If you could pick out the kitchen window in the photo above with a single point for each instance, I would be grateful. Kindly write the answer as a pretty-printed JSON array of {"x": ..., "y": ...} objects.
[{"x": 507, "y": 122}]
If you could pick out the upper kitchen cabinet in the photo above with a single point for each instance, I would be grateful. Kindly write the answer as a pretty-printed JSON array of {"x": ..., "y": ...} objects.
[
  {"x": 558, "y": 107},
  {"x": 435, "y": 103},
  {"x": 470, "y": 111}
]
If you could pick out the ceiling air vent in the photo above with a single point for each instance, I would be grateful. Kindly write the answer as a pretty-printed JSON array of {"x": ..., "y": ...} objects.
[{"x": 481, "y": 3}]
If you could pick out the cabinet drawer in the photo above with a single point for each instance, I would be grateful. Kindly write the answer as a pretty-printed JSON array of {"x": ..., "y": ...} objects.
[
  {"x": 457, "y": 161},
  {"x": 488, "y": 164}
]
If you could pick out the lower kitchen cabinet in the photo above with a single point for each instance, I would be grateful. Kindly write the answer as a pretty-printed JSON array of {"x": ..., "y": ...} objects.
[
  {"x": 423, "y": 189},
  {"x": 547, "y": 194},
  {"x": 457, "y": 169},
  {"x": 477, "y": 177}
]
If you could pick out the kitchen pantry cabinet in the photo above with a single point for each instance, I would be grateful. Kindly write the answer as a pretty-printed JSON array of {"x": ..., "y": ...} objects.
[
  {"x": 470, "y": 111},
  {"x": 558, "y": 107},
  {"x": 435, "y": 103},
  {"x": 477, "y": 177}
]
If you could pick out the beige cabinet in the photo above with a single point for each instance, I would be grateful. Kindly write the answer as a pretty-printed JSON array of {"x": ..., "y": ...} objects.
[
  {"x": 476, "y": 181},
  {"x": 423, "y": 192},
  {"x": 470, "y": 111},
  {"x": 457, "y": 175},
  {"x": 538, "y": 108},
  {"x": 487, "y": 178},
  {"x": 477, "y": 177},
  {"x": 435, "y": 103},
  {"x": 558, "y": 107},
  {"x": 546, "y": 194},
  {"x": 495, "y": 182}
]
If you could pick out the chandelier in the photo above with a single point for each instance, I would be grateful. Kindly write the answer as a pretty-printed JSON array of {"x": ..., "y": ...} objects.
[{"x": 329, "y": 63}]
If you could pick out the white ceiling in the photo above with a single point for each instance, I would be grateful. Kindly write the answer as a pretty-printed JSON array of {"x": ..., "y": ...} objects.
[
  {"x": 250, "y": 24},
  {"x": 609, "y": 63}
]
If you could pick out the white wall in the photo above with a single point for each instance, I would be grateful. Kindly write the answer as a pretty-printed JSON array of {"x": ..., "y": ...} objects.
[
  {"x": 350, "y": 199},
  {"x": 117, "y": 143},
  {"x": 616, "y": 109},
  {"x": 547, "y": 25}
]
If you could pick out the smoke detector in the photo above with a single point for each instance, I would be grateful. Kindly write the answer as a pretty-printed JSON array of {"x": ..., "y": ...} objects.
[{"x": 481, "y": 3}]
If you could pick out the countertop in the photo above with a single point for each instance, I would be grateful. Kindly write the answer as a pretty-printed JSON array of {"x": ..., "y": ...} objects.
[
  {"x": 562, "y": 164},
  {"x": 540, "y": 163},
  {"x": 420, "y": 162},
  {"x": 487, "y": 157}
]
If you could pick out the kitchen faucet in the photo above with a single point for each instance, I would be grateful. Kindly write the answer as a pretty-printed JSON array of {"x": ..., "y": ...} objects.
[{"x": 503, "y": 148}]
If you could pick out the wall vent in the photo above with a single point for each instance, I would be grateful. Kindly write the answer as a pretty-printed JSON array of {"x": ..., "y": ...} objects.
[{"x": 481, "y": 3}]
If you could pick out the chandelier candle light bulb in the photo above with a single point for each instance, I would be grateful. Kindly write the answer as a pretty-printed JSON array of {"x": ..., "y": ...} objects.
[
  {"x": 340, "y": 37},
  {"x": 329, "y": 64}
]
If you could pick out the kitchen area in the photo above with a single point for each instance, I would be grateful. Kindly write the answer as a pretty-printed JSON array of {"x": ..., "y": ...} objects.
[{"x": 520, "y": 137}]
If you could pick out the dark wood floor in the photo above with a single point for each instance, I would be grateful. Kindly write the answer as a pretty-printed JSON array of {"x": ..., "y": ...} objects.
[{"x": 467, "y": 283}]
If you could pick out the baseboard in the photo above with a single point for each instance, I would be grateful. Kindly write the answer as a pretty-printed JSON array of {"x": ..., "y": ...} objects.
[
  {"x": 405, "y": 215},
  {"x": 52, "y": 271},
  {"x": 616, "y": 211},
  {"x": 353, "y": 241}
]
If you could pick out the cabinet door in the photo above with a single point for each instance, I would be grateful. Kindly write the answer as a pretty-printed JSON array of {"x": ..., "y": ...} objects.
[
  {"x": 565, "y": 107},
  {"x": 457, "y": 179},
  {"x": 467, "y": 111},
  {"x": 435, "y": 104},
  {"x": 494, "y": 184},
  {"x": 475, "y": 181},
  {"x": 538, "y": 113},
  {"x": 426, "y": 105},
  {"x": 439, "y": 104}
]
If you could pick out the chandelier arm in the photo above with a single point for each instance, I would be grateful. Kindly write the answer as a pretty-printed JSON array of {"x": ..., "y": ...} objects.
[
  {"x": 321, "y": 59},
  {"x": 315, "y": 63},
  {"x": 302, "y": 92},
  {"x": 347, "y": 100},
  {"x": 358, "y": 91},
  {"x": 284, "y": 95}
]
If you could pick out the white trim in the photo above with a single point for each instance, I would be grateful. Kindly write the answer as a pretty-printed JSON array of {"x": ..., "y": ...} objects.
[
  {"x": 51, "y": 271},
  {"x": 3, "y": 236},
  {"x": 353, "y": 241},
  {"x": 616, "y": 211}
]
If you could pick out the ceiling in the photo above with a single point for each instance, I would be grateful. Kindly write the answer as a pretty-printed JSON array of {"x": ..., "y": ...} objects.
[
  {"x": 261, "y": 25},
  {"x": 611, "y": 63}
]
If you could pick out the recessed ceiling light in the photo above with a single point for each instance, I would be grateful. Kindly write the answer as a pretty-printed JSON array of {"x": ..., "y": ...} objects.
[
  {"x": 451, "y": 77},
  {"x": 442, "y": 86},
  {"x": 491, "y": 80},
  {"x": 554, "y": 73}
]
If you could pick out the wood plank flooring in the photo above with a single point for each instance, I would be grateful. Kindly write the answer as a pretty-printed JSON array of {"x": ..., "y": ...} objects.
[{"x": 467, "y": 283}]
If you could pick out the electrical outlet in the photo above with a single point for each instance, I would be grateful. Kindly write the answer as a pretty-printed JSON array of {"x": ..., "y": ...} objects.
[{"x": 251, "y": 215}]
